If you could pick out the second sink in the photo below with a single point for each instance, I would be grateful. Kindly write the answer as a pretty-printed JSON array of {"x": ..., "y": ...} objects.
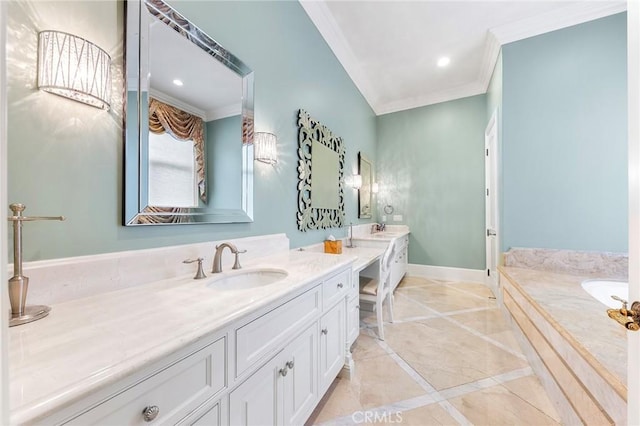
[{"x": 246, "y": 279}]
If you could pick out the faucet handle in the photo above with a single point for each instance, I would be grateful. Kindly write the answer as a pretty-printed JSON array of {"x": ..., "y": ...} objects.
[
  {"x": 200, "y": 274},
  {"x": 236, "y": 264}
]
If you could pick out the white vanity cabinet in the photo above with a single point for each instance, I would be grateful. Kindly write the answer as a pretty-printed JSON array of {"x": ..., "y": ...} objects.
[
  {"x": 166, "y": 396},
  {"x": 271, "y": 366},
  {"x": 284, "y": 390}
]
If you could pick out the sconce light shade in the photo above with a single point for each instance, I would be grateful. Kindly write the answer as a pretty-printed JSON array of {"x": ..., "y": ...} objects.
[
  {"x": 265, "y": 149},
  {"x": 356, "y": 181},
  {"x": 375, "y": 187},
  {"x": 75, "y": 68}
]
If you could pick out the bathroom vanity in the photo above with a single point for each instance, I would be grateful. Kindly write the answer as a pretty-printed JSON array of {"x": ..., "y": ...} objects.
[{"x": 182, "y": 351}]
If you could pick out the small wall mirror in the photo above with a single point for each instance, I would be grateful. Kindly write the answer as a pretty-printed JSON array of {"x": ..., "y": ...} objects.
[
  {"x": 189, "y": 123},
  {"x": 364, "y": 193}
]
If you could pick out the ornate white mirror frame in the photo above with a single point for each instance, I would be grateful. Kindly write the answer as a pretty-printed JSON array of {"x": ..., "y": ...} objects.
[{"x": 309, "y": 217}]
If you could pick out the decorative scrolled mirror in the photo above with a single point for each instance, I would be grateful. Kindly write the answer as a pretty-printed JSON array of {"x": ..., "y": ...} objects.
[
  {"x": 364, "y": 193},
  {"x": 321, "y": 175},
  {"x": 189, "y": 123}
]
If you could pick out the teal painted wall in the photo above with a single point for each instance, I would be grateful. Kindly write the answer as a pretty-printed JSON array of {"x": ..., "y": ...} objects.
[
  {"x": 224, "y": 162},
  {"x": 67, "y": 159},
  {"x": 565, "y": 138},
  {"x": 431, "y": 169}
]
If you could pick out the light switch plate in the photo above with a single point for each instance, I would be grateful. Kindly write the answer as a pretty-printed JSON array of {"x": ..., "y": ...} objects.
[
  {"x": 397, "y": 218},
  {"x": 384, "y": 217}
]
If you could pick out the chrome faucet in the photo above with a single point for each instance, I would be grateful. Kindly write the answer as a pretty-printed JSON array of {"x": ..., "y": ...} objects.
[{"x": 217, "y": 259}]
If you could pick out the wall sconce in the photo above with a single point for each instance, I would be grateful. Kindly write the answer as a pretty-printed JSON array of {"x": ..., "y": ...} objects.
[
  {"x": 356, "y": 181},
  {"x": 75, "y": 68},
  {"x": 375, "y": 188},
  {"x": 265, "y": 147}
]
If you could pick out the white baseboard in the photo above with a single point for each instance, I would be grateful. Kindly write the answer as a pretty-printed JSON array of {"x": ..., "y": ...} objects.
[{"x": 446, "y": 273}]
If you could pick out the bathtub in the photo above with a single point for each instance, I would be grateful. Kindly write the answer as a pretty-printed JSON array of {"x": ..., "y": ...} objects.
[{"x": 602, "y": 290}]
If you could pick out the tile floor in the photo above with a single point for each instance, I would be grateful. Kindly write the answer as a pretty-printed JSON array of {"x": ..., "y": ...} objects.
[{"x": 449, "y": 358}]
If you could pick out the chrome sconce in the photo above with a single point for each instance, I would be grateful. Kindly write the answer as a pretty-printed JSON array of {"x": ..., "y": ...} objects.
[{"x": 74, "y": 68}]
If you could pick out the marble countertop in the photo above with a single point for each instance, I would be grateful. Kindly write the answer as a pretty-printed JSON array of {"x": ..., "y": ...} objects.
[
  {"x": 382, "y": 236},
  {"x": 562, "y": 297},
  {"x": 365, "y": 256},
  {"x": 86, "y": 344}
]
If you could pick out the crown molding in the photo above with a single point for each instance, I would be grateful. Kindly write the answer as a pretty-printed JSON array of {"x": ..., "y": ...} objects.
[
  {"x": 458, "y": 92},
  {"x": 163, "y": 97},
  {"x": 567, "y": 16},
  {"x": 323, "y": 19},
  {"x": 223, "y": 112},
  {"x": 570, "y": 15}
]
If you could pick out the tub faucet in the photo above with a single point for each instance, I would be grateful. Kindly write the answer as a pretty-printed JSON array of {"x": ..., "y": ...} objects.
[{"x": 217, "y": 258}]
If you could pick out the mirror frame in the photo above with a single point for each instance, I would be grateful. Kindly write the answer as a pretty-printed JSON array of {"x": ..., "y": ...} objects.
[
  {"x": 361, "y": 199},
  {"x": 310, "y": 130},
  {"x": 136, "y": 209}
]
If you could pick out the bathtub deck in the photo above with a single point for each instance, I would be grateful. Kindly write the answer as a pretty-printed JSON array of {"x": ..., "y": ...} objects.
[{"x": 581, "y": 348}]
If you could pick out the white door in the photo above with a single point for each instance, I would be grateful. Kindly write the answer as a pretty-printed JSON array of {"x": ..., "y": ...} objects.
[
  {"x": 491, "y": 201},
  {"x": 633, "y": 347}
]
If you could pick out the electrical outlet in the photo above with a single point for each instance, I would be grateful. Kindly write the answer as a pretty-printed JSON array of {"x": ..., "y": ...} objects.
[{"x": 397, "y": 218}]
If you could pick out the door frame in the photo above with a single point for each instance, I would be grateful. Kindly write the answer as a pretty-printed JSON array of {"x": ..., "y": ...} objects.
[
  {"x": 633, "y": 81},
  {"x": 492, "y": 215}
]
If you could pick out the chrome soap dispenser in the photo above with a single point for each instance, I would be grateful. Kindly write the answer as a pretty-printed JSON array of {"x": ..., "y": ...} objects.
[{"x": 19, "y": 284}]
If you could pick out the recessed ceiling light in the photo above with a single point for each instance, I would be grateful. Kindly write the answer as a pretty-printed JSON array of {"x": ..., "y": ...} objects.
[
  {"x": 444, "y": 61},
  {"x": 178, "y": 82}
]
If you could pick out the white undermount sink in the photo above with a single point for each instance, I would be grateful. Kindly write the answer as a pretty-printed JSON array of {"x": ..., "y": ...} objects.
[{"x": 244, "y": 279}]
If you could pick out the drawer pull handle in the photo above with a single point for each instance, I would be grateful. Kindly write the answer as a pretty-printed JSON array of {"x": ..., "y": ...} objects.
[
  {"x": 324, "y": 331},
  {"x": 283, "y": 371},
  {"x": 290, "y": 365},
  {"x": 150, "y": 413},
  {"x": 340, "y": 285}
]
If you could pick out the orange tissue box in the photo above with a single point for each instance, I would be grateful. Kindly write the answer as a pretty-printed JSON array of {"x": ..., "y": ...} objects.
[{"x": 333, "y": 247}]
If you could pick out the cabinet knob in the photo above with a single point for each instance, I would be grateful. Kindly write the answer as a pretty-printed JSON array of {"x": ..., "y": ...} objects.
[
  {"x": 290, "y": 365},
  {"x": 324, "y": 331},
  {"x": 283, "y": 371},
  {"x": 150, "y": 413},
  {"x": 340, "y": 285}
]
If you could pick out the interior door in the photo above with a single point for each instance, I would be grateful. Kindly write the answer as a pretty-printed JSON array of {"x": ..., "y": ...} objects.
[
  {"x": 491, "y": 202},
  {"x": 633, "y": 346}
]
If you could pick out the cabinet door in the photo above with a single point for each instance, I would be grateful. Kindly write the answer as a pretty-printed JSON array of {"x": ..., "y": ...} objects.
[
  {"x": 210, "y": 418},
  {"x": 301, "y": 382},
  {"x": 255, "y": 402},
  {"x": 332, "y": 344}
]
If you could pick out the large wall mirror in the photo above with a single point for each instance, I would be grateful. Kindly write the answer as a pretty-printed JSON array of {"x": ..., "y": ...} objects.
[
  {"x": 365, "y": 191},
  {"x": 189, "y": 123}
]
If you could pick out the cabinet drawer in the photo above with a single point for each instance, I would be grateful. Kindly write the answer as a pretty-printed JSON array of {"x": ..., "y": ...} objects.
[
  {"x": 335, "y": 288},
  {"x": 176, "y": 390},
  {"x": 264, "y": 334}
]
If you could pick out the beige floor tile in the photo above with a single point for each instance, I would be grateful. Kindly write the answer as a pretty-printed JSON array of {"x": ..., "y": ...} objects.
[
  {"x": 489, "y": 321},
  {"x": 508, "y": 339},
  {"x": 530, "y": 389},
  {"x": 403, "y": 308},
  {"x": 498, "y": 406},
  {"x": 378, "y": 381},
  {"x": 475, "y": 288},
  {"x": 416, "y": 282},
  {"x": 366, "y": 347},
  {"x": 446, "y": 355},
  {"x": 430, "y": 415},
  {"x": 444, "y": 298}
]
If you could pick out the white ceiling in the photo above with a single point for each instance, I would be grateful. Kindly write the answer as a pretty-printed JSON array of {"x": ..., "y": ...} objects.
[{"x": 390, "y": 48}]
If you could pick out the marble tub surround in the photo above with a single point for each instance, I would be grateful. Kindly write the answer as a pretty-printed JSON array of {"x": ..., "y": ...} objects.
[
  {"x": 87, "y": 344},
  {"x": 576, "y": 345},
  {"x": 60, "y": 280},
  {"x": 599, "y": 264}
]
